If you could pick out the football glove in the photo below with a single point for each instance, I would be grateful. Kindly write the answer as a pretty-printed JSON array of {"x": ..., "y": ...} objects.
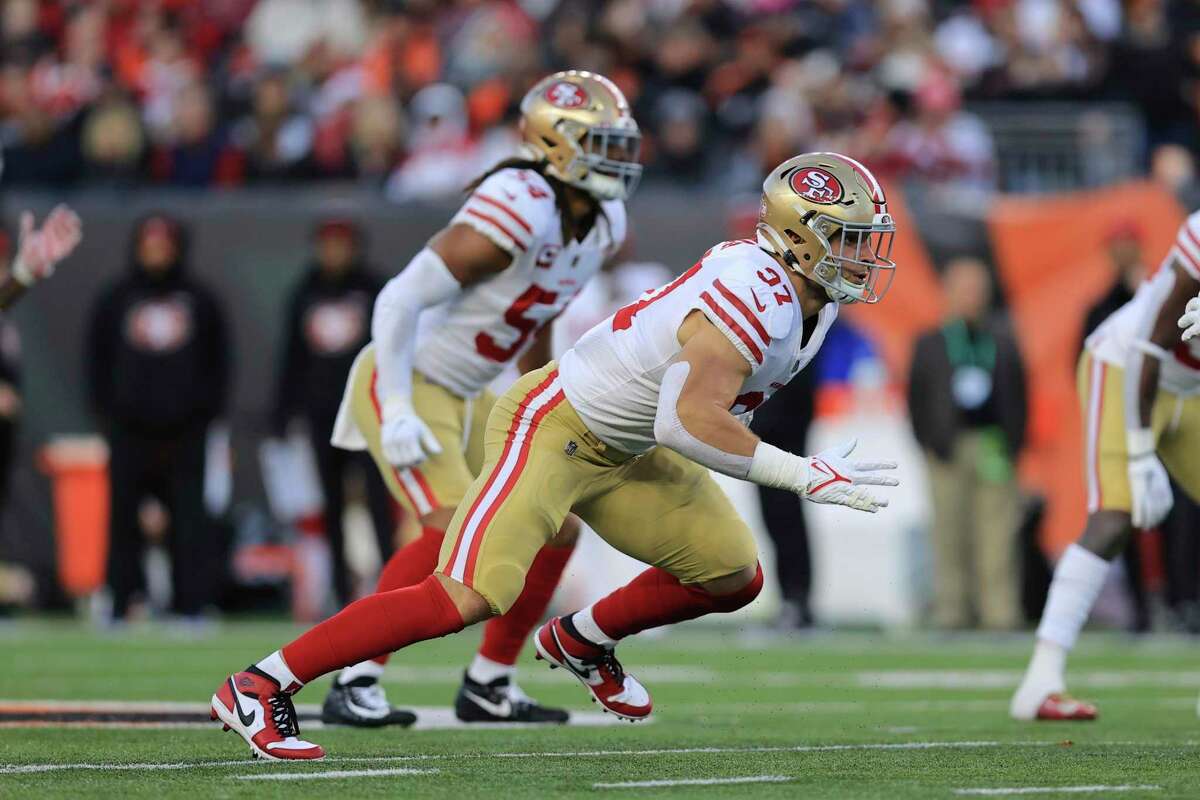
[
  {"x": 1190, "y": 320},
  {"x": 406, "y": 440},
  {"x": 39, "y": 250},
  {"x": 1149, "y": 484},
  {"x": 833, "y": 479}
]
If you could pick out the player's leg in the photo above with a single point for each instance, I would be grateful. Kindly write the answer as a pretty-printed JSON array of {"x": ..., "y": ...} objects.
[
  {"x": 1180, "y": 449},
  {"x": 668, "y": 512},
  {"x": 1083, "y": 567},
  {"x": 489, "y": 691},
  {"x": 515, "y": 506},
  {"x": 430, "y": 492}
]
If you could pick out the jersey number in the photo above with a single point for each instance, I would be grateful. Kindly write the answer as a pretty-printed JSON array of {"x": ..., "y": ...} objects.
[{"x": 515, "y": 317}]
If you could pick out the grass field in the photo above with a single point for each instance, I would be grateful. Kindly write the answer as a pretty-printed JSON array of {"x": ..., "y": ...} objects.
[{"x": 823, "y": 716}]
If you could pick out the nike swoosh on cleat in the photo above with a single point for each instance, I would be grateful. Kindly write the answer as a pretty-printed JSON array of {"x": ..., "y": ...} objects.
[
  {"x": 501, "y": 709},
  {"x": 245, "y": 719}
]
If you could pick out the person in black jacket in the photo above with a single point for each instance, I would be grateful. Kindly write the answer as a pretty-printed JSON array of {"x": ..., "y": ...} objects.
[
  {"x": 966, "y": 396},
  {"x": 158, "y": 370},
  {"x": 328, "y": 323}
]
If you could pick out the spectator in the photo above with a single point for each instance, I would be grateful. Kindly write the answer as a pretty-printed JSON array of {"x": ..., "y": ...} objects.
[
  {"x": 16, "y": 585},
  {"x": 329, "y": 321},
  {"x": 275, "y": 140},
  {"x": 158, "y": 368},
  {"x": 197, "y": 153},
  {"x": 967, "y": 400}
]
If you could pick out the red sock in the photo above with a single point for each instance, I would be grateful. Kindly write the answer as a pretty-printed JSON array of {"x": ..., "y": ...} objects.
[
  {"x": 410, "y": 565},
  {"x": 379, "y": 623},
  {"x": 503, "y": 637},
  {"x": 657, "y": 598}
]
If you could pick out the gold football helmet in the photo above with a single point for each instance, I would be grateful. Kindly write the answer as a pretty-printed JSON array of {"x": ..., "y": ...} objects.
[
  {"x": 579, "y": 123},
  {"x": 825, "y": 216}
]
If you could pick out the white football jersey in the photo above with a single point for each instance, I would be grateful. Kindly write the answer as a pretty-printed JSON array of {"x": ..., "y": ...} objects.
[
  {"x": 465, "y": 343},
  {"x": 613, "y": 375},
  {"x": 1113, "y": 341}
]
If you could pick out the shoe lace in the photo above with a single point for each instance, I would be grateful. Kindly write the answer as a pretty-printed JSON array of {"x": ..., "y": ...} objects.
[
  {"x": 283, "y": 715},
  {"x": 607, "y": 662}
]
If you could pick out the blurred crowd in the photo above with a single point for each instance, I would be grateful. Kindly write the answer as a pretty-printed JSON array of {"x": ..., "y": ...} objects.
[{"x": 414, "y": 95}]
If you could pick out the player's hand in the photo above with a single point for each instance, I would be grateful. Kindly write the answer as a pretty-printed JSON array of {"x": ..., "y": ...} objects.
[
  {"x": 833, "y": 479},
  {"x": 1191, "y": 319},
  {"x": 405, "y": 438},
  {"x": 1149, "y": 484},
  {"x": 39, "y": 250}
]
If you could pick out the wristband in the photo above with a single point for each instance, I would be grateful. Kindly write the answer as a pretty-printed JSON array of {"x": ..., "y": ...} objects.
[
  {"x": 1139, "y": 442},
  {"x": 779, "y": 469}
]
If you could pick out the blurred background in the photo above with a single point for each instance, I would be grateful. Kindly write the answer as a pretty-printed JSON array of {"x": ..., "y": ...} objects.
[{"x": 277, "y": 160}]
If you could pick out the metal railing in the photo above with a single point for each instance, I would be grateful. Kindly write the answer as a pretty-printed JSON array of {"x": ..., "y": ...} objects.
[{"x": 1054, "y": 146}]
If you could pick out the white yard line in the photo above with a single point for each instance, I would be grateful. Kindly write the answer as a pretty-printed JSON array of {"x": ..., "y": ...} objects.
[
  {"x": 341, "y": 773},
  {"x": 804, "y": 748},
  {"x": 1008, "y": 679},
  {"x": 1007, "y": 791},
  {"x": 693, "y": 782}
]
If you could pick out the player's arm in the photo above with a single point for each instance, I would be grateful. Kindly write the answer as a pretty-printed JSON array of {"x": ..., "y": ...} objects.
[
  {"x": 1149, "y": 483},
  {"x": 39, "y": 251},
  {"x": 694, "y": 419},
  {"x": 457, "y": 257}
]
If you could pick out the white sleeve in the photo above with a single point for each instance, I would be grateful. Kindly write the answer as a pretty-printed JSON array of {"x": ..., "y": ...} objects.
[
  {"x": 513, "y": 208},
  {"x": 425, "y": 282},
  {"x": 1158, "y": 290},
  {"x": 745, "y": 309},
  {"x": 1187, "y": 245}
]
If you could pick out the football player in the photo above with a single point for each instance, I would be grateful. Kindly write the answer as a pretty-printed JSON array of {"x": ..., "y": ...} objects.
[
  {"x": 1140, "y": 389},
  {"x": 624, "y": 435},
  {"x": 39, "y": 250},
  {"x": 480, "y": 296}
]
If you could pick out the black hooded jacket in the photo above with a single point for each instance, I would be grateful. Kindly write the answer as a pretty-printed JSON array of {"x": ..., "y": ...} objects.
[
  {"x": 158, "y": 354},
  {"x": 329, "y": 321}
]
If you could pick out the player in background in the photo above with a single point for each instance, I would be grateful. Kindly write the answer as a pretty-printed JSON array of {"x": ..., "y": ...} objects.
[
  {"x": 39, "y": 250},
  {"x": 1140, "y": 389},
  {"x": 480, "y": 296},
  {"x": 624, "y": 436}
]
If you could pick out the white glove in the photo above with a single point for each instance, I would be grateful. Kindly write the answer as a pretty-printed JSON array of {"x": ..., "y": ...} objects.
[
  {"x": 1149, "y": 484},
  {"x": 39, "y": 250},
  {"x": 405, "y": 438},
  {"x": 833, "y": 479},
  {"x": 1191, "y": 319}
]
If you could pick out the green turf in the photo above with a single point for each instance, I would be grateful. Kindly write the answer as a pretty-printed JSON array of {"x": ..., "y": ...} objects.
[{"x": 755, "y": 705}]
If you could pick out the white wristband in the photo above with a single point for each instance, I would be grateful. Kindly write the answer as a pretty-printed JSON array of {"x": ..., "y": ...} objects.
[
  {"x": 1139, "y": 442},
  {"x": 779, "y": 469}
]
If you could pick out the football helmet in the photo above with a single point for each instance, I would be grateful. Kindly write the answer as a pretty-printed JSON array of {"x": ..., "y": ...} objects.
[
  {"x": 579, "y": 123},
  {"x": 826, "y": 217}
]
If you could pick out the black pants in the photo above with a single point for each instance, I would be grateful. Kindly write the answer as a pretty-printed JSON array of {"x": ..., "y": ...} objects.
[
  {"x": 332, "y": 465},
  {"x": 171, "y": 469},
  {"x": 784, "y": 421}
]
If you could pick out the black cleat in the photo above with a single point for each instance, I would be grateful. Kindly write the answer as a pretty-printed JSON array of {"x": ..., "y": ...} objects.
[
  {"x": 502, "y": 701},
  {"x": 362, "y": 703}
]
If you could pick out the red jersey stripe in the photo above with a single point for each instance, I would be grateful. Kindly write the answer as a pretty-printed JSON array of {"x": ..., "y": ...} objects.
[
  {"x": 512, "y": 214},
  {"x": 740, "y": 306},
  {"x": 489, "y": 218},
  {"x": 733, "y": 325}
]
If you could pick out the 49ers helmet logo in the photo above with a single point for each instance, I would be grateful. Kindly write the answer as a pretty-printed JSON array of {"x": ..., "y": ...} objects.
[
  {"x": 817, "y": 185},
  {"x": 566, "y": 95}
]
